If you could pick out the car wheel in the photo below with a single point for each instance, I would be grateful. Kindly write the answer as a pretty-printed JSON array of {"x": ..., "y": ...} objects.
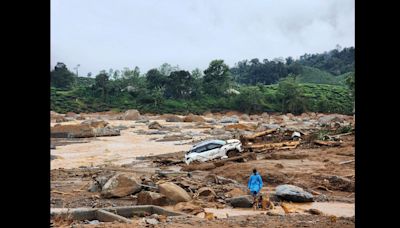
[{"x": 232, "y": 153}]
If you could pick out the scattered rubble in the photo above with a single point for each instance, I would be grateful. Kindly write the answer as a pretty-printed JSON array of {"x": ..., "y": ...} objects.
[{"x": 221, "y": 183}]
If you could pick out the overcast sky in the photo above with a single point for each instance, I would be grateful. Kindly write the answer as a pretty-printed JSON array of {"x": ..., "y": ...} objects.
[{"x": 104, "y": 34}]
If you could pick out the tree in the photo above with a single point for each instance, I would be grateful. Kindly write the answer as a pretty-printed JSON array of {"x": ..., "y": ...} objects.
[
  {"x": 136, "y": 72},
  {"x": 289, "y": 61},
  {"x": 101, "y": 83},
  {"x": 155, "y": 79},
  {"x": 196, "y": 73},
  {"x": 216, "y": 78},
  {"x": 290, "y": 96},
  {"x": 61, "y": 77},
  {"x": 250, "y": 100},
  {"x": 166, "y": 69},
  {"x": 179, "y": 84},
  {"x": 116, "y": 75},
  {"x": 158, "y": 96}
]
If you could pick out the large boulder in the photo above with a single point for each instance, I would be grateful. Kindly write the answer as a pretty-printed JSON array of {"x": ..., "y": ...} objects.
[
  {"x": 173, "y": 192},
  {"x": 290, "y": 116},
  {"x": 245, "y": 117},
  {"x": 265, "y": 116},
  {"x": 232, "y": 119},
  {"x": 72, "y": 131},
  {"x": 121, "y": 185},
  {"x": 171, "y": 118},
  {"x": 155, "y": 125},
  {"x": 206, "y": 192},
  {"x": 193, "y": 118},
  {"x": 85, "y": 130},
  {"x": 95, "y": 123},
  {"x": 264, "y": 127},
  {"x": 151, "y": 198},
  {"x": 235, "y": 193},
  {"x": 293, "y": 193},
  {"x": 107, "y": 131},
  {"x": 242, "y": 201},
  {"x": 326, "y": 120},
  {"x": 71, "y": 114},
  {"x": 214, "y": 179},
  {"x": 341, "y": 183},
  {"x": 132, "y": 114}
]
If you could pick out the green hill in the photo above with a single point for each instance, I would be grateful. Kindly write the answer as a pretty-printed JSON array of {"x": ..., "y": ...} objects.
[{"x": 314, "y": 75}]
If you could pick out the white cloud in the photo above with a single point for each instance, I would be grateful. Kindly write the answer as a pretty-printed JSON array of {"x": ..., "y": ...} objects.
[{"x": 103, "y": 34}]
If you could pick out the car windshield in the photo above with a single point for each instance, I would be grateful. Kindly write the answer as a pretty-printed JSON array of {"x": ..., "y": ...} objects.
[{"x": 220, "y": 142}]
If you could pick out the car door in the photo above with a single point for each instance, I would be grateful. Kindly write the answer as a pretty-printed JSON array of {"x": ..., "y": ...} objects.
[
  {"x": 213, "y": 150},
  {"x": 202, "y": 154}
]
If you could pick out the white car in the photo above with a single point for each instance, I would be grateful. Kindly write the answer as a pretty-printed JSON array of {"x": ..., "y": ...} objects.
[{"x": 212, "y": 149}]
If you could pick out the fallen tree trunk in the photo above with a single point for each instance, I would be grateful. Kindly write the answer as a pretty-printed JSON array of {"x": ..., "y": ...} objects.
[
  {"x": 213, "y": 165},
  {"x": 259, "y": 134},
  {"x": 327, "y": 143},
  {"x": 269, "y": 146}
]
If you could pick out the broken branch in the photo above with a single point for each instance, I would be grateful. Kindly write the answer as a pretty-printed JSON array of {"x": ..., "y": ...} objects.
[
  {"x": 259, "y": 134},
  {"x": 327, "y": 143},
  {"x": 346, "y": 162}
]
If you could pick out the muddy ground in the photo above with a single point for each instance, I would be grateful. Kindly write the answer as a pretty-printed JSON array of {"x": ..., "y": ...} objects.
[{"x": 146, "y": 152}]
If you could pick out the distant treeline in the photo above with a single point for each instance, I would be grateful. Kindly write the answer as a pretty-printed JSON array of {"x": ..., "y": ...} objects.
[{"x": 317, "y": 82}]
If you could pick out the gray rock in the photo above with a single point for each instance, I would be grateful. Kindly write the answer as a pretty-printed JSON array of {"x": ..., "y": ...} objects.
[
  {"x": 52, "y": 157},
  {"x": 102, "y": 180},
  {"x": 156, "y": 132},
  {"x": 341, "y": 183},
  {"x": 293, "y": 193},
  {"x": 242, "y": 201},
  {"x": 212, "y": 121},
  {"x": 94, "y": 187},
  {"x": 152, "y": 221},
  {"x": 52, "y": 147},
  {"x": 121, "y": 127},
  {"x": 142, "y": 120},
  {"x": 217, "y": 131},
  {"x": 321, "y": 198},
  {"x": 107, "y": 131},
  {"x": 325, "y": 120},
  {"x": 232, "y": 119},
  {"x": 271, "y": 126},
  {"x": 94, "y": 222}
]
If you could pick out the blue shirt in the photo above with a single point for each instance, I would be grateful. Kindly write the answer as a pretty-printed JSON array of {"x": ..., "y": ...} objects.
[{"x": 255, "y": 183}]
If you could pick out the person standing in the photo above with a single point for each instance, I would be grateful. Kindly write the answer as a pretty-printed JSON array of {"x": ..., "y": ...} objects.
[{"x": 255, "y": 184}]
